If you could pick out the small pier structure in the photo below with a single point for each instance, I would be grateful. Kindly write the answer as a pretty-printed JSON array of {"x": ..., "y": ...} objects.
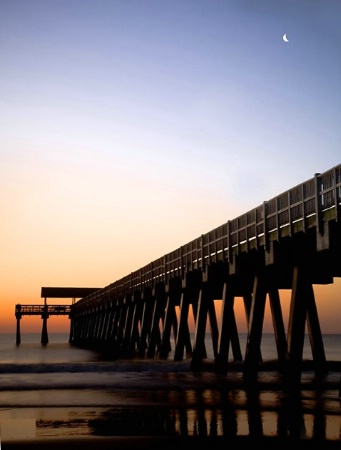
[{"x": 45, "y": 310}]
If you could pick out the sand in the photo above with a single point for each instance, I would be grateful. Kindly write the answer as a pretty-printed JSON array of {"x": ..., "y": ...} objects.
[{"x": 170, "y": 443}]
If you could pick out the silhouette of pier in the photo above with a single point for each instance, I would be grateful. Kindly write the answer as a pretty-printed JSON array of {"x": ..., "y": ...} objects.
[
  {"x": 45, "y": 310},
  {"x": 292, "y": 242}
]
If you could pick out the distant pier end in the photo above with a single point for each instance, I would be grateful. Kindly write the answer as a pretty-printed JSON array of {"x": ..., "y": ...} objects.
[{"x": 45, "y": 310}]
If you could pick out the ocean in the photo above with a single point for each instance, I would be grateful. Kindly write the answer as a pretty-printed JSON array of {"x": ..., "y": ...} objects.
[{"x": 58, "y": 390}]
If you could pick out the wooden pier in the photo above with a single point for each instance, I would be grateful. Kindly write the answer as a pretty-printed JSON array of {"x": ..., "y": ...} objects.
[
  {"x": 45, "y": 310},
  {"x": 292, "y": 241}
]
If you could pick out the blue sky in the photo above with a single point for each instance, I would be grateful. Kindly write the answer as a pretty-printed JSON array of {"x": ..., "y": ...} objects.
[{"x": 130, "y": 127}]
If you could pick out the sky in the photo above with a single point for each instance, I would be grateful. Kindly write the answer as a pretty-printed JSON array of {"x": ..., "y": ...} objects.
[{"x": 130, "y": 127}]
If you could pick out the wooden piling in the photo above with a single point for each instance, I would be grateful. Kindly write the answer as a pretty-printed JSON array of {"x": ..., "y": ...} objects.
[
  {"x": 44, "y": 334},
  {"x": 255, "y": 327},
  {"x": 296, "y": 326},
  {"x": 18, "y": 336},
  {"x": 173, "y": 291}
]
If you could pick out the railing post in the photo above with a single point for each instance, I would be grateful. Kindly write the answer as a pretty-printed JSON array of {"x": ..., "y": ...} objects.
[
  {"x": 182, "y": 271},
  {"x": 289, "y": 214},
  {"x": 229, "y": 246},
  {"x": 265, "y": 226},
  {"x": 336, "y": 199},
  {"x": 318, "y": 202},
  {"x": 303, "y": 209}
]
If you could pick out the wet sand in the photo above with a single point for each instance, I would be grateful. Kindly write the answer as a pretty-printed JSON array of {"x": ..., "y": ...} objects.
[
  {"x": 170, "y": 443},
  {"x": 178, "y": 416}
]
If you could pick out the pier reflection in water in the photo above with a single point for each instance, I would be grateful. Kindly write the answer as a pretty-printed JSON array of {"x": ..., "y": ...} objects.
[
  {"x": 226, "y": 414},
  {"x": 210, "y": 412}
]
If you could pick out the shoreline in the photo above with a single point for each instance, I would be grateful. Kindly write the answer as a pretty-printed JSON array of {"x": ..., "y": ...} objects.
[
  {"x": 158, "y": 374},
  {"x": 67, "y": 397}
]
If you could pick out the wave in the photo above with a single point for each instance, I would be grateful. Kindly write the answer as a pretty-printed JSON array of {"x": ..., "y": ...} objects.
[
  {"x": 116, "y": 377},
  {"x": 121, "y": 366}
]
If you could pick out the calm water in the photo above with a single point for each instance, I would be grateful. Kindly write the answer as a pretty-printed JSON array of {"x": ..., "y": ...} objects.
[
  {"x": 30, "y": 351},
  {"x": 59, "y": 390}
]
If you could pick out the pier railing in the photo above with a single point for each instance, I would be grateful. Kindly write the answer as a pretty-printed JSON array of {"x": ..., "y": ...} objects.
[
  {"x": 37, "y": 310},
  {"x": 304, "y": 206}
]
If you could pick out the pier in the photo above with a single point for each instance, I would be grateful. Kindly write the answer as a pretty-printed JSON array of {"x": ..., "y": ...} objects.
[
  {"x": 291, "y": 241},
  {"x": 45, "y": 310}
]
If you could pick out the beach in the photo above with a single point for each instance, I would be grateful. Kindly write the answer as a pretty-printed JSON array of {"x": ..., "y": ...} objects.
[
  {"x": 149, "y": 443},
  {"x": 59, "y": 396}
]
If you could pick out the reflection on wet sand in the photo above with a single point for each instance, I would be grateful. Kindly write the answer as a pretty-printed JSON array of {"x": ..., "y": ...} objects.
[
  {"x": 219, "y": 412},
  {"x": 226, "y": 413}
]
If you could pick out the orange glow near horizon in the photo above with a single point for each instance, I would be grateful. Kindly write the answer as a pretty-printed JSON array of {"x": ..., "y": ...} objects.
[{"x": 327, "y": 300}]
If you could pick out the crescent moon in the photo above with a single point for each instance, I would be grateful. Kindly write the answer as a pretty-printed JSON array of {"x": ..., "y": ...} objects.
[{"x": 285, "y": 39}]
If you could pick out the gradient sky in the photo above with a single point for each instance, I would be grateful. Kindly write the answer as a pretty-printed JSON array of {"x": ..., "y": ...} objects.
[{"x": 130, "y": 127}]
